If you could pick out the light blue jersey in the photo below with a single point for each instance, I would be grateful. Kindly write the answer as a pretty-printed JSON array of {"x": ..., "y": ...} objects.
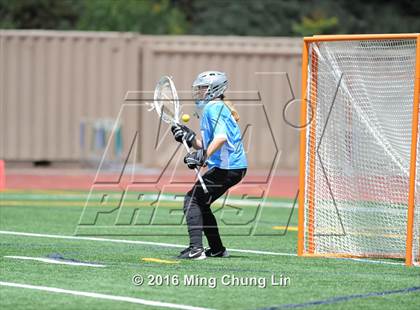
[{"x": 217, "y": 121}]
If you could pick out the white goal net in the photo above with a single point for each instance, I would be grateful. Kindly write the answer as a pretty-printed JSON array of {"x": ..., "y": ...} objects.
[{"x": 358, "y": 144}]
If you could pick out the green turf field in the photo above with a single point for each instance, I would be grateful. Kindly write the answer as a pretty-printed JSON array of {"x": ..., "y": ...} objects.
[{"x": 314, "y": 283}]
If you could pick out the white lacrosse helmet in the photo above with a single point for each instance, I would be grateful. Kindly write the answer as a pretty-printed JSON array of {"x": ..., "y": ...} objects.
[{"x": 209, "y": 85}]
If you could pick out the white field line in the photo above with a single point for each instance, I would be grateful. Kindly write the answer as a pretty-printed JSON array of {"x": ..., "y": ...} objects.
[
  {"x": 171, "y": 245},
  {"x": 103, "y": 296},
  {"x": 375, "y": 261},
  {"x": 55, "y": 261}
]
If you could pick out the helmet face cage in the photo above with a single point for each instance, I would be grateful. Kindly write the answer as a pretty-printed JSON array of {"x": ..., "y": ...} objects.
[
  {"x": 200, "y": 91},
  {"x": 209, "y": 85}
]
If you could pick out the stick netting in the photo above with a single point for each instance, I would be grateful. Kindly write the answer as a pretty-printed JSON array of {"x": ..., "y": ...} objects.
[{"x": 166, "y": 100}]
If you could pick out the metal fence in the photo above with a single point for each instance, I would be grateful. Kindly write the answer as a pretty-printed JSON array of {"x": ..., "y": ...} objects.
[{"x": 51, "y": 82}]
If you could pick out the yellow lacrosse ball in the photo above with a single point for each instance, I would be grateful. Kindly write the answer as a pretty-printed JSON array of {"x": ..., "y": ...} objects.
[{"x": 185, "y": 118}]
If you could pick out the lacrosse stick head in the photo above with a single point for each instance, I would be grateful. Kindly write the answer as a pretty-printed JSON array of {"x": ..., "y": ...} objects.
[{"x": 166, "y": 102}]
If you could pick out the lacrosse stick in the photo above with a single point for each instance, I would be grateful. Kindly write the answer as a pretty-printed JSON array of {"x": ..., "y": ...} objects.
[{"x": 166, "y": 104}]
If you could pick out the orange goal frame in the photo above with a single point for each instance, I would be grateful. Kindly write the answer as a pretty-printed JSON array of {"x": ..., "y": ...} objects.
[{"x": 311, "y": 164}]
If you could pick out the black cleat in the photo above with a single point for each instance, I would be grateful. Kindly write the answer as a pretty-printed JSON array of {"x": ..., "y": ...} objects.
[
  {"x": 222, "y": 253},
  {"x": 192, "y": 252}
]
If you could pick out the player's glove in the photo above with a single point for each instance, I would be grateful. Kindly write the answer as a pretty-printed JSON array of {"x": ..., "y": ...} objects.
[
  {"x": 183, "y": 132},
  {"x": 196, "y": 159}
]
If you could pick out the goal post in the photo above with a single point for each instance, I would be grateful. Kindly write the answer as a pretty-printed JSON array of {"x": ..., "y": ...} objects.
[{"x": 359, "y": 147}]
